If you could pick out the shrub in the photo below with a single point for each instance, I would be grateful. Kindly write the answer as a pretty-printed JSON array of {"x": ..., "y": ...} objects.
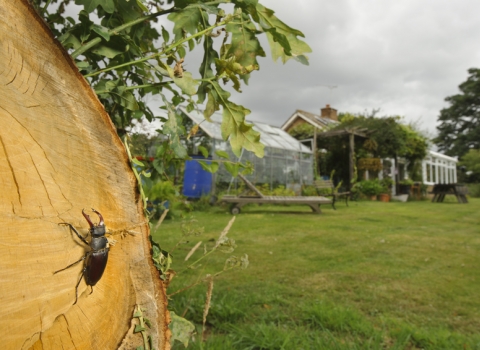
[
  {"x": 309, "y": 190},
  {"x": 474, "y": 190},
  {"x": 371, "y": 187}
]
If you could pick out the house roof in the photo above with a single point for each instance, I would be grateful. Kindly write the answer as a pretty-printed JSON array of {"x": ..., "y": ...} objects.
[
  {"x": 313, "y": 119},
  {"x": 270, "y": 136}
]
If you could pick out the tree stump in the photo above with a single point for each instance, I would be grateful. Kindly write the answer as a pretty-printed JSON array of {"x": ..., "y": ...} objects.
[{"x": 59, "y": 153}]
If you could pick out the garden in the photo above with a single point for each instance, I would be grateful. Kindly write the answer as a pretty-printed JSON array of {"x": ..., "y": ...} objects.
[{"x": 369, "y": 276}]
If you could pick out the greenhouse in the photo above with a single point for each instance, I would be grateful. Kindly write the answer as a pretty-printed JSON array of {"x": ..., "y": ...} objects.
[{"x": 286, "y": 162}]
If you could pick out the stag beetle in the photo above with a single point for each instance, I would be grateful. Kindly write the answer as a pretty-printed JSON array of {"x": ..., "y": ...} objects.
[{"x": 96, "y": 258}]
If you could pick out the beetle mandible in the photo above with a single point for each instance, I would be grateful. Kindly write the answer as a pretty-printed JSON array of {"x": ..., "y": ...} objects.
[{"x": 95, "y": 260}]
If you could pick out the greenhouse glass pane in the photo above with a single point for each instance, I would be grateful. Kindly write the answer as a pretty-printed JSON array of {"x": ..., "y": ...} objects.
[
  {"x": 278, "y": 152},
  {"x": 306, "y": 156},
  {"x": 278, "y": 171},
  {"x": 280, "y": 142},
  {"x": 306, "y": 171},
  {"x": 267, "y": 140},
  {"x": 266, "y": 128},
  {"x": 292, "y": 171}
]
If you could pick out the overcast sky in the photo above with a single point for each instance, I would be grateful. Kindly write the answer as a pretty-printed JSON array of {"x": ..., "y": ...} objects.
[{"x": 403, "y": 57}]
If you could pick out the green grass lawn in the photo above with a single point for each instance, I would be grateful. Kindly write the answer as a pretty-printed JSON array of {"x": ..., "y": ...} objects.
[{"x": 370, "y": 276}]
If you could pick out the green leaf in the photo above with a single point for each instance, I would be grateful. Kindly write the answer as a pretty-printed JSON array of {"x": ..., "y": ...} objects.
[
  {"x": 165, "y": 35},
  {"x": 186, "y": 21},
  {"x": 161, "y": 258},
  {"x": 138, "y": 328},
  {"x": 211, "y": 107},
  {"x": 229, "y": 69},
  {"x": 232, "y": 168},
  {"x": 203, "y": 151},
  {"x": 247, "y": 138},
  {"x": 234, "y": 126},
  {"x": 90, "y": 5},
  {"x": 283, "y": 40},
  {"x": 206, "y": 71},
  {"x": 302, "y": 59},
  {"x": 128, "y": 10},
  {"x": 245, "y": 46},
  {"x": 102, "y": 31},
  {"x": 145, "y": 174},
  {"x": 82, "y": 64},
  {"x": 70, "y": 41},
  {"x": 181, "y": 329},
  {"x": 248, "y": 6},
  {"x": 210, "y": 166},
  {"x": 186, "y": 83},
  {"x": 142, "y": 6},
  {"x": 209, "y": 9},
  {"x": 128, "y": 100},
  {"x": 137, "y": 162},
  {"x": 222, "y": 154},
  {"x": 280, "y": 39},
  {"x": 106, "y": 51},
  {"x": 174, "y": 130},
  {"x": 111, "y": 84}
]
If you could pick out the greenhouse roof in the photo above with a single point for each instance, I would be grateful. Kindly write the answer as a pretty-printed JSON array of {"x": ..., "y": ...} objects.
[{"x": 270, "y": 136}]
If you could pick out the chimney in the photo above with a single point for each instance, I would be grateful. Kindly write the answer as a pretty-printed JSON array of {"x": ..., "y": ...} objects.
[{"x": 329, "y": 113}]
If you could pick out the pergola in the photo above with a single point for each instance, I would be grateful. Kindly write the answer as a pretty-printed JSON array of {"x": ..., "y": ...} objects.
[{"x": 351, "y": 133}]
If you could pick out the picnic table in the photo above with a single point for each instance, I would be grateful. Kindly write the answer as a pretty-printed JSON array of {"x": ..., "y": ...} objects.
[{"x": 439, "y": 192}]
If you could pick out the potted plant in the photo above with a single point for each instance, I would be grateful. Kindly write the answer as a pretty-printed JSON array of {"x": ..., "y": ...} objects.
[
  {"x": 370, "y": 188},
  {"x": 387, "y": 184}
]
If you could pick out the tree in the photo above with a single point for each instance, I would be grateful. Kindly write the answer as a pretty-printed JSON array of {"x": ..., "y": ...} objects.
[
  {"x": 388, "y": 138},
  {"x": 471, "y": 162},
  {"x": 126, "y": 55},
  {"x": 459, "y": 128}
]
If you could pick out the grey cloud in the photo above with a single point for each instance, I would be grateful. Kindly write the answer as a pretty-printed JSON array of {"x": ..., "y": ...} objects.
[{"x": 402, "y": 57}]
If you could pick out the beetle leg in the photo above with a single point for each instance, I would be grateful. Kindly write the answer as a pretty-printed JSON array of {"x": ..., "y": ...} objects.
[
  {"x": 76, "y": 287},
  {"x": 76, "y": 232},
  {"x": 75, "y": 263}
]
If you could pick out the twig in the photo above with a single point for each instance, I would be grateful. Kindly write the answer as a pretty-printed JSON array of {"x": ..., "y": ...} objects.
[{"x": 164, "y": 214}]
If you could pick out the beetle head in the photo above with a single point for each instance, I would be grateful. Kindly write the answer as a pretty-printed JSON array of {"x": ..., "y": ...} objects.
[{"x": 95, "y": 229}]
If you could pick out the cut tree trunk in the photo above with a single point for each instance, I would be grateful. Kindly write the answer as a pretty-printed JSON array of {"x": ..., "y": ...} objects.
[{"x": 59, "y": 153}]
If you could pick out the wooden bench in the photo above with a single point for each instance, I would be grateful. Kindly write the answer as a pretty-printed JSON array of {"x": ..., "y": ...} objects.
[
  {"x": 239, "y": 201},
  {"x": 332, "y": 191}
]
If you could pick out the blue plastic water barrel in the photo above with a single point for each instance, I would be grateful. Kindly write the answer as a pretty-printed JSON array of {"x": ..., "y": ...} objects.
[{"x": 196, "y": 181}]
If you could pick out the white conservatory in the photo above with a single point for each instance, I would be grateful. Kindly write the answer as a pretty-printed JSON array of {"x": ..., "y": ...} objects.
[{"x": 438, "y": 168}]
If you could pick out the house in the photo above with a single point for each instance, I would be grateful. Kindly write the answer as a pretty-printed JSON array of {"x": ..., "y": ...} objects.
[
  {"x": 436, "y": 167},
  {"x": 327, "y": 118}
]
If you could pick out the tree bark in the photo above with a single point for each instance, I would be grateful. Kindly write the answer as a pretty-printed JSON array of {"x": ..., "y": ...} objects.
[{"x": 59, "y": 153}]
